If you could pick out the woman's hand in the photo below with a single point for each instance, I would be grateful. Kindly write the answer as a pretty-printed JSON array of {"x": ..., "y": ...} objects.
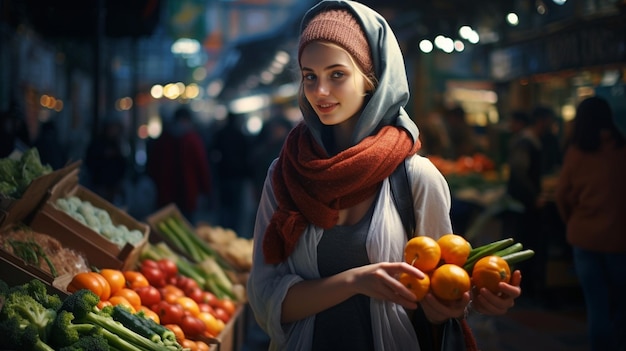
[
  {"x": 486, "y": 302},
  {"x": 438, "y": 311},
  {"x": 379, "y": 280}
]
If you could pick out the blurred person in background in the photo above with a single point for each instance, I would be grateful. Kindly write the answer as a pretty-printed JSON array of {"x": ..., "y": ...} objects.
[
  {"x": 461, "y": 137},
  {"x": 590, "y": 196},
  {"x": 267, "y": 146},
  {"x": 179, "y": 166},
  {"x": 106, "y": 162},
  {"x": 525, "y": 161},
  {"x": 51, "y": 150},
  {"x": 230, "y": 152},
  {"x": 552, "y": 151}
]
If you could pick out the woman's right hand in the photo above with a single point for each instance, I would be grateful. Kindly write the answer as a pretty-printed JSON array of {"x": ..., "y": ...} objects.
[{"x": 379, "y": 280}]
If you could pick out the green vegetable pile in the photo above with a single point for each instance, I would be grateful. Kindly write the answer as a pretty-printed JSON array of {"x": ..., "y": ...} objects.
[
  {"x": 17, "y": 174},
  {"x": 33, "y": 319}
]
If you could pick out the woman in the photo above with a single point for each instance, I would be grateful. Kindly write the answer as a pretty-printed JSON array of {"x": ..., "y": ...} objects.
[
  {"x": 328, "y": 239},
  {"x": 590, "y": 197}
]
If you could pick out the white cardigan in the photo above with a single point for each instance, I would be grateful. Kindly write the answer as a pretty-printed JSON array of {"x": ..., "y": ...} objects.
[{"x": 268, "y": 284}]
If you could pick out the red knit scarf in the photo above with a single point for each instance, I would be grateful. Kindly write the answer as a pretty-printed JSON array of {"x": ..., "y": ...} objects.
[{"x": 312, "y": 188}]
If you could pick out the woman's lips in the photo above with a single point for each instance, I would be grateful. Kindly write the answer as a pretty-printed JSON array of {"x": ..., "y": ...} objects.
[{"x": 326, "y": 108}]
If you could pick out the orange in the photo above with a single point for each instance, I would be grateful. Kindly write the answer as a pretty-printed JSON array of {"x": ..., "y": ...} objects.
[
  {"x": 189, "y": 305},
  {"x": 150, "y": 314},
  {"x": 213, "y": 325},
  {"x": 189, "y": 344},
  {"x": 135, "y": 279},
  {"x": 449, "y": 282},
  {"x": 419, "y": 287},
  {"x": 454, "y": 249},
  {"x": 177, "y": 330},
  {"x": 489, "y": 271},
  {"x": 422, "y": 252},
  {"x": 131, "y": 296},
  {"x": 171, "y": 293},
  {"x": 115, "y": 278},
  {"x": 120, "y": 300},
  {"x": 106, "y": 288},
  {"x": 202, "y": 346},
  {"x": 87, "y": 280}
]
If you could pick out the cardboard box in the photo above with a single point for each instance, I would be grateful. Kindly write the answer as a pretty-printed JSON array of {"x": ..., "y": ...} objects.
[
  {"x": 14, "y": 272},
  {"x": 68, "y": 186},
  {"x": 16, "y": 210}
]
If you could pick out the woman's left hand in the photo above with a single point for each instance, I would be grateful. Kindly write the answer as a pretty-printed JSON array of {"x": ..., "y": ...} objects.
[{"x": 486, "y": 302}]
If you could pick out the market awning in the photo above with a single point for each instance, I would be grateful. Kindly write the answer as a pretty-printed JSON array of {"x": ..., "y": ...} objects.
[{"x": 244, "y": 64}]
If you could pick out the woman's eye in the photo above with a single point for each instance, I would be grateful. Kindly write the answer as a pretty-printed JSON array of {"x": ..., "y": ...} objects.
[
  {"x": 308, "y": 76},
  {"x": 337, "y": 74}
]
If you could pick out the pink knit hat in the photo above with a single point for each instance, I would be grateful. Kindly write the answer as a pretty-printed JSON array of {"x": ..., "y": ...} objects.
[{"x": 340, "y": 27}]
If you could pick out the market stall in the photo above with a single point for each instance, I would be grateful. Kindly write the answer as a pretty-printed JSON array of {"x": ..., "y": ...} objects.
[{"x": 170, "y": 285}]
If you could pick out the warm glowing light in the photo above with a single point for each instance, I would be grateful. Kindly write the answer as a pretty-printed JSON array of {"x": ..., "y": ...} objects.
[
  {"x": 156, "y": 91},
  {"x": 426, "y": 46},
  {"x": 192, "y": 91},
  {"x": 512, "y": 19}
]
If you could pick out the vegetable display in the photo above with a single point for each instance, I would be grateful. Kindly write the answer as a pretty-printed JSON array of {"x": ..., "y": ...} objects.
[
  {"x": 179, "y": 234},
  {"x": 98, "y": 220},
  {"x": 453, "y": 266},
  {"x": 168, "y": 301},
  {"x": 17, "y": 174},
  {"x": 183, "y": 317},
  {"x": 33, "y": 319},
  {"x": 208, "y": 273}
]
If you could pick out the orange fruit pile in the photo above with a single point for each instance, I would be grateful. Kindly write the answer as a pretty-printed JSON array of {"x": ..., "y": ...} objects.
[{"x": 442, "y": 261}]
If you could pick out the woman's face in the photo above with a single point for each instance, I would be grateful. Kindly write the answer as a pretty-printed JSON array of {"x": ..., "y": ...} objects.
[{"x": 331, "y": 83}]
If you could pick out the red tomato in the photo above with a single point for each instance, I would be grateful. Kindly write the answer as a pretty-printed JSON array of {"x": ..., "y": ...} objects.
[
  {"x": 169, "y": 313},
  {"x": 149, "y": 263},
  {"x": 154, "y": 275},
  {"x": 192, "y": 326},
  {"x": 168, "y": 267},
  {"x": 149, "y": 295},
  {"x": 195, "y": 294},
  {"x": 228, "y": 305},
  {"x": 205, "y": 307},
  {"x": 221, "y": 314},
  {"x": 209, "y": 298},
  {"x": 186, "y": 283}
]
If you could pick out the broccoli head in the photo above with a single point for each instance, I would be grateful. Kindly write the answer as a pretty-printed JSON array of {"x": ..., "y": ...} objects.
[
  {"x": 38, "y": 291},
  {"x": 80, "y": 303},
  {"x": 17, "y": 335},
  {"x": 27, "y": 311},
  {"x": 64, "y": 332},
  {"x": 95, "y": 342}
]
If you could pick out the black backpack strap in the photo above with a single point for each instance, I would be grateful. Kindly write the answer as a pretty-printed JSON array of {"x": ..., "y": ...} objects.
[{"x": 403, "y": 198}]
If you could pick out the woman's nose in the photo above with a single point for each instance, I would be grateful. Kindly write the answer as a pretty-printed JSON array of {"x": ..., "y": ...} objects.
[{"x": 321, "y": 88}]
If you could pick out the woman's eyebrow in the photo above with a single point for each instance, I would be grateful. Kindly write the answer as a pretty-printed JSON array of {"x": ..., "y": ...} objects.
[{"x": 325, "y": 68}]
